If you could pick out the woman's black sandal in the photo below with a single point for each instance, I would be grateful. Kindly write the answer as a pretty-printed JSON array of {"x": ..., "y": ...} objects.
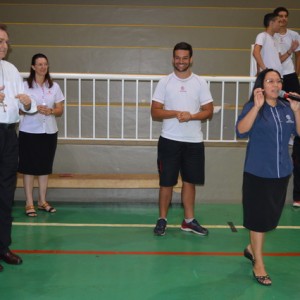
[
  {"x": 249, "y": 256},
  {"x": 262, "y": 279}
]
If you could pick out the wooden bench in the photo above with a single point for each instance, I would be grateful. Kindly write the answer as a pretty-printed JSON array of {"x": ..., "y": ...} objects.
[{"x": 100, "y": 181}]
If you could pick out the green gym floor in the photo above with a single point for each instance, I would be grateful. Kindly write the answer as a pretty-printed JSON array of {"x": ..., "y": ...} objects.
[{"x": 108, "y": 251}]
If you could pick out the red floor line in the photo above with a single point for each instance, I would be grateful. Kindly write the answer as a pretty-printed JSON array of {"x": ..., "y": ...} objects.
[{"x": 148, "y": 253}]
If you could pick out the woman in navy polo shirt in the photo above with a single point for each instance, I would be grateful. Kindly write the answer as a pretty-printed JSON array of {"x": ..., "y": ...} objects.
[{"x": 268, "y": 122}]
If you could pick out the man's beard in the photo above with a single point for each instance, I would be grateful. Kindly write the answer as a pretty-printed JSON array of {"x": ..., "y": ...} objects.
[{"x": 182, "y": 70}]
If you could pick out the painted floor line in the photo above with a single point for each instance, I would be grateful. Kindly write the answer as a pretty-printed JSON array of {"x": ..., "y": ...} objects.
[
  {"x": 106, "y": 225},
  {"x": 129, "y": 225},
  {"x": 179, "y": 253}
]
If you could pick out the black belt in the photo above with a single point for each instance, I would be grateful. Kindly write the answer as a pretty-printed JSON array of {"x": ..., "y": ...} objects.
[{"x": 7, "y": 126}]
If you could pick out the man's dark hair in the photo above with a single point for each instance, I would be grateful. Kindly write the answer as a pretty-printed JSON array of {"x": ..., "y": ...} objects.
[
  {"x": 3, "y": 27},
  {"x": 279, "y": 9},
  {"x": 183, "y": 46},
  {"x": 268, "y": 18}
]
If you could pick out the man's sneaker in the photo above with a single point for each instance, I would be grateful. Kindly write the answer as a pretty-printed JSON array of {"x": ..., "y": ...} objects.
[
  {"x": 296, "y": 203},
  {"x": 160, "y": 228},
  {"x": 194, "y": 226}
]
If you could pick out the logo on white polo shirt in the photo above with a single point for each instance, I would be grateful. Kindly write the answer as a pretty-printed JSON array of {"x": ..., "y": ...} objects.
[{"x": 182, "y": 89}]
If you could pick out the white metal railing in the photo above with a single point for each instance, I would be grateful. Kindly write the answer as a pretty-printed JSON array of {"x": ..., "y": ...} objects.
[{"x": 116, "y": 107}]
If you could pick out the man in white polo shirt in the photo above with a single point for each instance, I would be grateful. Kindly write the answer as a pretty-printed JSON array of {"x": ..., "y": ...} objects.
[
  {"x": 266, "y": 49},
  {"x": 182, "y": 100},
  {"x": 288, "y": 41}
]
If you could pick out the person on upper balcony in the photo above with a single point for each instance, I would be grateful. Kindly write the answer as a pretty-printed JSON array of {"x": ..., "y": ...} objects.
[
  {"x": 266, "y": 49},
  {"x": 291, "y": 71}
]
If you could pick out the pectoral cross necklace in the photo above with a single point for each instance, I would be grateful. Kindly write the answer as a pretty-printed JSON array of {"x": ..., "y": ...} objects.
[
  {"x": 3, "y": 106},
  {"x": 2, "y": 87}
]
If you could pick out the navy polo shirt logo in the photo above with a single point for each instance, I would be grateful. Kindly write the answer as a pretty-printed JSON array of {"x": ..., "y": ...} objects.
[{"x": 289, "y": 119}]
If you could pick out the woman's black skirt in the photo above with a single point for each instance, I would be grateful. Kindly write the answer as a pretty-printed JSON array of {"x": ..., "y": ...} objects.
[
  {"x": 263, "y": 201},
  {"x": 36, "y": 153}
]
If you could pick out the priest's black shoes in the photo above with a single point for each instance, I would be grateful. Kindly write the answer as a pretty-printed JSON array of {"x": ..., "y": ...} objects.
[
  {"x": 11, "y": 258},
  {"x": 1, "y": 268}
]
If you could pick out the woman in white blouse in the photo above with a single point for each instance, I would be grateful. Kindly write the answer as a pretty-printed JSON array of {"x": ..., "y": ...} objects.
[{"x": 38, "y": 133}]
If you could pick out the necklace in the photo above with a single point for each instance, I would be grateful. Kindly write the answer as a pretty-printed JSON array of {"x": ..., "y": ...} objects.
[{"x": 2, "y": 87}]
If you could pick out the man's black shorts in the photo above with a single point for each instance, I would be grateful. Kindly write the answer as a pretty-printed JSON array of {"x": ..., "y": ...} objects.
[{"x": 174, "y": 157}]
